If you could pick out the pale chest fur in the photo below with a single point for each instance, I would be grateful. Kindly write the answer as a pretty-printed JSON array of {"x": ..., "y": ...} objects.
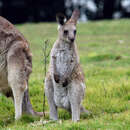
[{"x": 65, "y": 56}]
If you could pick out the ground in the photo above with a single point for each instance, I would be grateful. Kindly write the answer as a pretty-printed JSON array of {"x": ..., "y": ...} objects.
[{"x": 104, "y": 49}]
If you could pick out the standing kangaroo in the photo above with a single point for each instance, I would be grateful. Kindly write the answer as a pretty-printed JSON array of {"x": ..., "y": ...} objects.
[
  {"x": 15, "y": 67},
  {"x": 64, "y": 83}
]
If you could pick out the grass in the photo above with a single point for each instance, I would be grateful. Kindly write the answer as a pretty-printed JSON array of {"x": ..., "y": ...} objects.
[{"x": 104, "y": 49}]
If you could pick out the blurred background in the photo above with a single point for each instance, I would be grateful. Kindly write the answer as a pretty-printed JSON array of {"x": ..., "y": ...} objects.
[{"x": 19, "y": 11}]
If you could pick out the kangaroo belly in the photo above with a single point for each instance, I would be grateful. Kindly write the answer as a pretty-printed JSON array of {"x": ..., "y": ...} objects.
[{"x": 61, "y": 96}]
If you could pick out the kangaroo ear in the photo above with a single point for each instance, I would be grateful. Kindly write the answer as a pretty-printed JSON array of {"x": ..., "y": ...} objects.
[
  {"x": 61, "y": 18},
  {"x": 74, "y": 17}
]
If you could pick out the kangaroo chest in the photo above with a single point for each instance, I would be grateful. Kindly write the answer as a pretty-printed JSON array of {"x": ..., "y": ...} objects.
[{"x": 64, "y": 58}]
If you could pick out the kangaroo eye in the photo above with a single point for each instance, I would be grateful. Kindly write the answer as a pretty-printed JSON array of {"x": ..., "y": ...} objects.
[
  {"x": 65, "y": 32},
  {"x": 75, "y": 31}
]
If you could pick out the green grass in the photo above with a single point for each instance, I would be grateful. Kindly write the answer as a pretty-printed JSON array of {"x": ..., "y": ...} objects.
[{"x": 104, "y": 49}]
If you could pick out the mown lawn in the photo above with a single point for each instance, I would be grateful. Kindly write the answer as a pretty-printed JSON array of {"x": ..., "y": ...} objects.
[{"x": 104, "y": 49}]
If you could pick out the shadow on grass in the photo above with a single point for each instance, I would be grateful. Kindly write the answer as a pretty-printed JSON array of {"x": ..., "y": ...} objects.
[
  {"x": 28, "y": 118},
  {"x": 25, "y": 119},
  {"x": 6, "y": 122},
  {"x": 65, "y": 115}
]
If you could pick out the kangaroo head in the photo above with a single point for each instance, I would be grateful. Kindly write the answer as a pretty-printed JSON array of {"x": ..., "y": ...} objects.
[{"x": 67, "y": 29}]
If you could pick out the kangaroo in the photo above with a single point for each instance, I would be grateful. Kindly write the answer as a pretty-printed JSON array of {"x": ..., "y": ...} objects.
[
  {"x": 64, "y": 83},
  {"x": 15, "y": 67}
]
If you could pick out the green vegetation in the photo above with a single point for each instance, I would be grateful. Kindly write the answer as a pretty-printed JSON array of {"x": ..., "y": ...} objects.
[{"x": 104, "y": 49}]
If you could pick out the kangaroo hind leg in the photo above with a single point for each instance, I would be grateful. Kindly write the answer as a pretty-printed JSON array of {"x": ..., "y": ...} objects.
[
  {"x": 17, "y": 78},
  {"x": 49, "y": 91}
]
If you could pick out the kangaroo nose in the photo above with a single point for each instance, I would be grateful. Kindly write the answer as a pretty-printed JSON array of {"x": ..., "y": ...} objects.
[{"x": 72, "y": 39}]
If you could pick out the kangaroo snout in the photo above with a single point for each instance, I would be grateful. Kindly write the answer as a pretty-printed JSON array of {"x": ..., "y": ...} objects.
[{"x": 71, "y": 39}]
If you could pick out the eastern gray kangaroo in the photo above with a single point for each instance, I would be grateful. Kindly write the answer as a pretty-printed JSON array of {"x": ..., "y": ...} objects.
[
  {"x": 64, "y": 83},
  {"x": 15, "y": 67}
]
